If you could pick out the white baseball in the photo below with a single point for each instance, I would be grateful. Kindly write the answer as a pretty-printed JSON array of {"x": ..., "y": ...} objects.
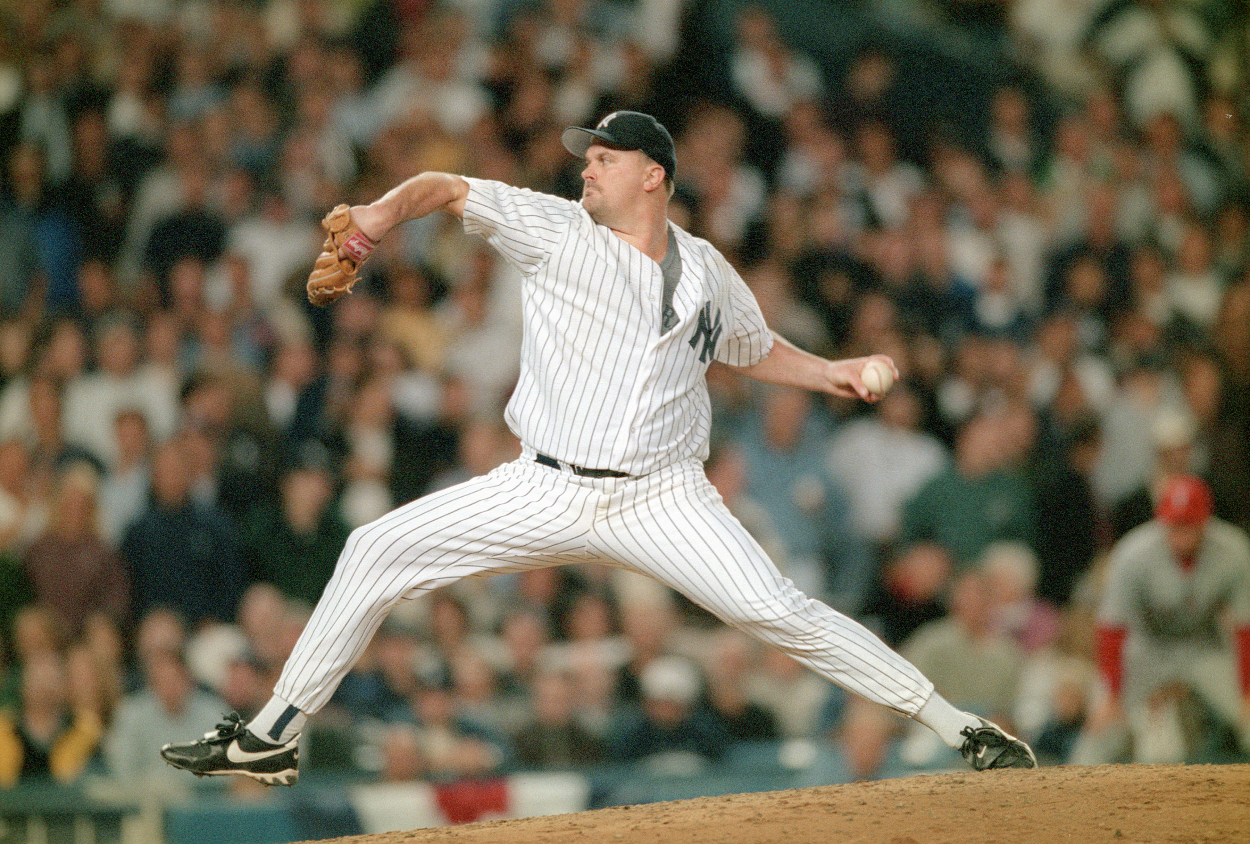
[{"x": 877, "y": 377}]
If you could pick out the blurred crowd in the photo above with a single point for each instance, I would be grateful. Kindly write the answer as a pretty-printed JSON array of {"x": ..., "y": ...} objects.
[{"x": 1051, "y": 242}]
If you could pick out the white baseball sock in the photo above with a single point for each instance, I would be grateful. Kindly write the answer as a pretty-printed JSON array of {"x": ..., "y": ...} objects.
[
  {"x": 944, "y": 719},
  {"x": 277, "y": 722}
]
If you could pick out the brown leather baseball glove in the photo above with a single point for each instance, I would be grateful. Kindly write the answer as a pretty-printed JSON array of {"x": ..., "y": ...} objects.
[{"x": 333, "y": 274}]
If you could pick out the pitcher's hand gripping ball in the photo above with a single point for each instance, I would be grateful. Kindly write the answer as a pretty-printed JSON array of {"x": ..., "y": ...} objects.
[
  {"x": 877, "y": 377},
  {"x": 333, "y": 274}
]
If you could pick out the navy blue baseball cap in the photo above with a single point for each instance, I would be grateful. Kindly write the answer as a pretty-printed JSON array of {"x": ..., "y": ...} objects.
[{"x": 626, "y": 130}]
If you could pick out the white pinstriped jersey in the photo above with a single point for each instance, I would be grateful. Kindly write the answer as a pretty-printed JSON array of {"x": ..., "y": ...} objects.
[{"x": 600, "y": 386}]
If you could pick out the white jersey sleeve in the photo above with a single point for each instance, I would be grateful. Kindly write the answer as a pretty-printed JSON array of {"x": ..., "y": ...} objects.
[
  {"x": 748, "y": 339},
  {"x": 521, "y": 224}
]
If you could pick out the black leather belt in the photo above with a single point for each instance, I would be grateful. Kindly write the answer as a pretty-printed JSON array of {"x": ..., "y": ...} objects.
[{"x": 579, "y": 470}]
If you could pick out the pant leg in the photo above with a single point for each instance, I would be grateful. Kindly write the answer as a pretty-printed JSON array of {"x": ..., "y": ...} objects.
[
  {"x": 517, "y": 517},
  {"x": 1215, "y": 677},
  {"x": 673, "y": 526}
]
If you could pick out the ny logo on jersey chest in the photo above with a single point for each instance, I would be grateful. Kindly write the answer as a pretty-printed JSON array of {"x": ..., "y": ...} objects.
[{"x": 708, "y": 330}]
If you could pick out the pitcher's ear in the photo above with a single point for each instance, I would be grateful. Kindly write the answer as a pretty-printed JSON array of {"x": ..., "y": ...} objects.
[{"x": 655, "y": 177}]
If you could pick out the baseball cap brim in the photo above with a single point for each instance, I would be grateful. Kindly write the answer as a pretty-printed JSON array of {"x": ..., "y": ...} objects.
[{"x": 577, "y": 140}]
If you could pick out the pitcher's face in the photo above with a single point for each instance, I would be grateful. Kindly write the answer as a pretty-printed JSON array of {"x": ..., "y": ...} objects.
[{"x": 613, "y": 180}]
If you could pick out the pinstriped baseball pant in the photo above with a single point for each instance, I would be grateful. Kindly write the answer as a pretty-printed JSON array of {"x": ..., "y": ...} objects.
[{"x": 670, "y": 525}]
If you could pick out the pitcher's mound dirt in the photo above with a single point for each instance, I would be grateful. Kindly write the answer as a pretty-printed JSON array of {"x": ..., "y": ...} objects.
[{"x": 1116, "y": 804}]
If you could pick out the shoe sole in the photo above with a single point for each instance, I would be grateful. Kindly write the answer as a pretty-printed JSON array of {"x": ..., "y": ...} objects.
[
  {"x": 1022, "y": 760},
  {"x": 288, "y": 777}
]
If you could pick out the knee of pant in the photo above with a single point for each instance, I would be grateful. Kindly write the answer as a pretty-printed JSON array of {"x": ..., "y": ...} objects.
[
  {"x": 362, "y": 551},
  {"x": 370, "y": 552},
  {"x": 785, "y": 614}
]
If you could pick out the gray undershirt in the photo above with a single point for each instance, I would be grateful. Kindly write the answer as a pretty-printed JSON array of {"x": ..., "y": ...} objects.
[{"x": 670, "y": 268}]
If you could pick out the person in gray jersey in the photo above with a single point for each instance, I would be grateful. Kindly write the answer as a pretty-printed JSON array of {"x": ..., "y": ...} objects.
[
  {"x": 1172, "y": 635},
  {"x": 623, "y": 314}
]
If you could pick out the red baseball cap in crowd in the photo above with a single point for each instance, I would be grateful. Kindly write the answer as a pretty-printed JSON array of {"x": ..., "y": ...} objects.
[{"x": 1186, "y": 500}]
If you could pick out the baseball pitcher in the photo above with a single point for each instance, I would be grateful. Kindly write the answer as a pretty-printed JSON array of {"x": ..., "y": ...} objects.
[{"x": 623, "y": 314}]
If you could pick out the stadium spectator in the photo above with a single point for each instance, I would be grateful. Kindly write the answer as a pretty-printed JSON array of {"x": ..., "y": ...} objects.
[
  {"x": 909, "y": 591},
  {"x": 968, "y": 656},
  {"x": 767, "y": 72},
  {"x": 295, "y": 543},
  {"x": 46, "y": 739},
  {"x": 168, "y": 699},
  {"x": 1016, "y": 610},
  {"x": 452, "y": 747},
  {"x": 1072, "y": 525},
  {"x": 727, "y": 668},
  {"x": 883, "y": 458},
  {"x": 669, "y": 732},
  {"x": 802, "y": 704},
  {"x": 824, "y": 552},
  {"x": 180, "y": 553},
  {"x": 36, "y": 632},
  {"x": 553, "y": 738},
  {"x": 43, "y": 252},
  {"x": 23, "y": 509},
  {"x": 93, "y": 401},
  {"x": 124, "y": 489},
  {"x": 74, "y": 571},
  {"x": 980, "y": 498}
]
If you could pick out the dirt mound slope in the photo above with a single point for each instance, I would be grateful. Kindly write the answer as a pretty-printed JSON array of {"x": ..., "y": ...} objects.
[{"x": 1117, "y": 804}]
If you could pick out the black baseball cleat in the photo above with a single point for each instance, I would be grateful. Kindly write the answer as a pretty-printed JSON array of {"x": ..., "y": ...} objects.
[
  {"x": 988, "y": 746},
  {"x": 232, "y": 749}
]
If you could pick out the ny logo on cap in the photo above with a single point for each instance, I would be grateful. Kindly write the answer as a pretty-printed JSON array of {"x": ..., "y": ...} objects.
[{"x": 605, "y": 121}]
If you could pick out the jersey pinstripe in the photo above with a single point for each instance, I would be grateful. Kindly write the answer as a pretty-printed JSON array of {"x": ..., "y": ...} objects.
[{"x": 625, "y": 395}]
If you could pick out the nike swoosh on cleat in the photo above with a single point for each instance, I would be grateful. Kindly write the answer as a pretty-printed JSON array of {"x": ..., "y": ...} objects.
[{"x": 238, "y": 755}]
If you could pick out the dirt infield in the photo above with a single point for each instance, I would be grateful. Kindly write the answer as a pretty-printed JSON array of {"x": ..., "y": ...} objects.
[{"x": 1117, "y": 804}]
